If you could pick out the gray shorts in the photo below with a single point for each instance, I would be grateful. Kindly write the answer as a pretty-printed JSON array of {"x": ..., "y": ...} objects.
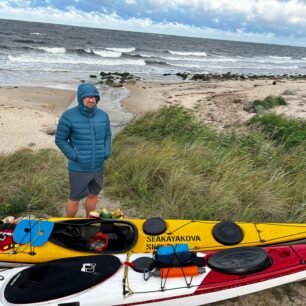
[{"x": 84, "y": 183}]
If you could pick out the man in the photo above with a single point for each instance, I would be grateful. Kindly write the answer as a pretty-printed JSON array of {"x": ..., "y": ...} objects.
[{"x": 84, "y": 136}]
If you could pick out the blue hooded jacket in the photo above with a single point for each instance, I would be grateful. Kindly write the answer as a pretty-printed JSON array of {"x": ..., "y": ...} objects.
[{"x": 84, "y": 134}]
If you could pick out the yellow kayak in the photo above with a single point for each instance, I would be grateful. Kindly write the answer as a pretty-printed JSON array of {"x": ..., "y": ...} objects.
[{"x": 36, "y": 241}]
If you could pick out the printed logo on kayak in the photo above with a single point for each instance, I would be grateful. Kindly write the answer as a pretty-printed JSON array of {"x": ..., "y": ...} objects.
[
  {"x": 152, "y": 241},
  {"x": 89, "y": 267}
]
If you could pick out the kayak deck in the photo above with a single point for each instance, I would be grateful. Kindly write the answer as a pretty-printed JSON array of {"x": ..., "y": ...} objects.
[{"x": 71, "y": 237}]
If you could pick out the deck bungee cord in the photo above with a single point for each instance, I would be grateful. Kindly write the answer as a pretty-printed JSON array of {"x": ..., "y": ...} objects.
[{"x": 167, "y": 262}]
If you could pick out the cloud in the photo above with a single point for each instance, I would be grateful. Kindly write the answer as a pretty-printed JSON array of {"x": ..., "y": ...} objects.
[
  {"x": 273, "y": 14},
  {"x": 249, "y": 9},
  {"x": 266, "y": 21}
]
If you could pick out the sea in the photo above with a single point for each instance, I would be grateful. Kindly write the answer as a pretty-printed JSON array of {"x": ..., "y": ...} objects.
[
  {"x": 60, "y": 56},
  {"x": 49, "y": 54}
]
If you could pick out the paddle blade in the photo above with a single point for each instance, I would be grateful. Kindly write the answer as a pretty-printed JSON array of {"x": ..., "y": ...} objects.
[{"x": 32, "y": 231}]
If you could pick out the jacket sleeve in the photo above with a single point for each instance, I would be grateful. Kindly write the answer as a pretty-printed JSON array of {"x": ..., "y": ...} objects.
[
  {"x": 62, "y": 136},
  {"x": 108, "y": 141}
]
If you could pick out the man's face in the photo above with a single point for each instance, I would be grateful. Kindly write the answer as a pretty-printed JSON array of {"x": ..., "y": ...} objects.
[{"x": 90, "y": 102}]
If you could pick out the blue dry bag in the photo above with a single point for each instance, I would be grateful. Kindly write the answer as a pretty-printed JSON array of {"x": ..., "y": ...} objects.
[{"x": 172, "y": 255}]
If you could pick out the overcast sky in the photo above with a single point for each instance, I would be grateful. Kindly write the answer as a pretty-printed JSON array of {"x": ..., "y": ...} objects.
[{"x": 265, "y": 21}]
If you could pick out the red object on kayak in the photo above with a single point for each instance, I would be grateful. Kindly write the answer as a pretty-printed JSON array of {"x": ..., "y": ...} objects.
[
  {"x": 98, "y": 242},
  {"x": 6, "y": 239}
]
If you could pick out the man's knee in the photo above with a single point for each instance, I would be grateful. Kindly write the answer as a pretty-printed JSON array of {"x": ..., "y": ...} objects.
[{"x": 92, "y": 196}]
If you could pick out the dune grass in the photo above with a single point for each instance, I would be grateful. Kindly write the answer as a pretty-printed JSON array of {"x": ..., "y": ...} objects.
[
  {"x": 32, "y": 182},
  {"x": 170, "y": 165},
  {"x": 288, "y": 132}
]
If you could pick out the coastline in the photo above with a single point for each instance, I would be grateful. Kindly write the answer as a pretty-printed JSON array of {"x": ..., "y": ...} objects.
[{"x": 27, "y": 114}]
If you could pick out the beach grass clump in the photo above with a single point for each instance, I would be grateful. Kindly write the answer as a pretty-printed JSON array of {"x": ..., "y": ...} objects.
[
  {"x": 175, "y": 122},
  {"x": 211, "y": 175},
  {"x": 288, "y": 92},
  {"x": 32, "y": 182},
  {"x": 285, "y": 131},
  {"x": 268, "y": 103}
]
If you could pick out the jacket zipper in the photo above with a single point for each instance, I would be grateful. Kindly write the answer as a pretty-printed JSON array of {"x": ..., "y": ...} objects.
[{"x": 92, "y": 143}]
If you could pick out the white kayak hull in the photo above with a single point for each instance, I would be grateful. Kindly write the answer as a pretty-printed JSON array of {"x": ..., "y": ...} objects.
[{"x": 175, "y": 292}]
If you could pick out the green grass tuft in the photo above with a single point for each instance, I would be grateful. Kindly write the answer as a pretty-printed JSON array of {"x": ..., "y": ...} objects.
[
  {"x": 287, "y": 132},
  {"x": 32, "y": 182},
  {"x": 267, "y": 103},
  {"x": 175, "y": 122}
]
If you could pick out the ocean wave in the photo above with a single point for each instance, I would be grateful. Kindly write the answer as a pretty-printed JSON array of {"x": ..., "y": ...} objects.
[
  {"x": 54, "y": 50},
  {"x": 125, "y": 50},
  {"x": 239, "y": 59},
  {"x": 107, "y": 53},
  {"x": 280, "y": 57},
  {"x": 237, "y": 67},
  {"x": 187, "y": 53},
  {"x": 79, "y": 51},
  {"x": 94, "y": 52},
  {"x": 128, "y": 55},
  {"x": 145, "y": 55},
  {"x": 37, "y": 33},
  {"x": 276, "y": 60},
  {"x": 75, "y": 61},
  {"x": 23, "y": 49},
  {"x": 44, "y": 69},
  {"x": 199, "y": 59}
]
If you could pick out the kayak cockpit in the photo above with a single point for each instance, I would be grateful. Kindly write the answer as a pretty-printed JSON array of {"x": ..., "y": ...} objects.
[
  {"x": 78, "y": 234},
  {"x": 71, "y": 275}
]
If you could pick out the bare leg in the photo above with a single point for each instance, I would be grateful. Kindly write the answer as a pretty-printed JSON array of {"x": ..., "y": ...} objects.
[
  {"x": 72, "y": 208},
  {"x": 90, "y": 203}
]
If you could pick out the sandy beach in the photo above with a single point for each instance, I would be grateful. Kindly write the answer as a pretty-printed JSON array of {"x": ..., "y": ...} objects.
[
  {"x": 219, "y": 103},
  {"x": 28, "y": 115}
]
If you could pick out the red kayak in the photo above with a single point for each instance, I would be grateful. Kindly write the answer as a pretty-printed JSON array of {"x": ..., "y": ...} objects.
[{"x": 171, "y": 276}]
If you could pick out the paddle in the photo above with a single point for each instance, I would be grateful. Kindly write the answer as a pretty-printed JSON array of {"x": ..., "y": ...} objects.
[{"x": 33, "y": 231}]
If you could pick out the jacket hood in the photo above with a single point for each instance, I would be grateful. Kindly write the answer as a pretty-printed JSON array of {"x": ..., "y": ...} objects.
[{"x": 87, "y": 90}]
